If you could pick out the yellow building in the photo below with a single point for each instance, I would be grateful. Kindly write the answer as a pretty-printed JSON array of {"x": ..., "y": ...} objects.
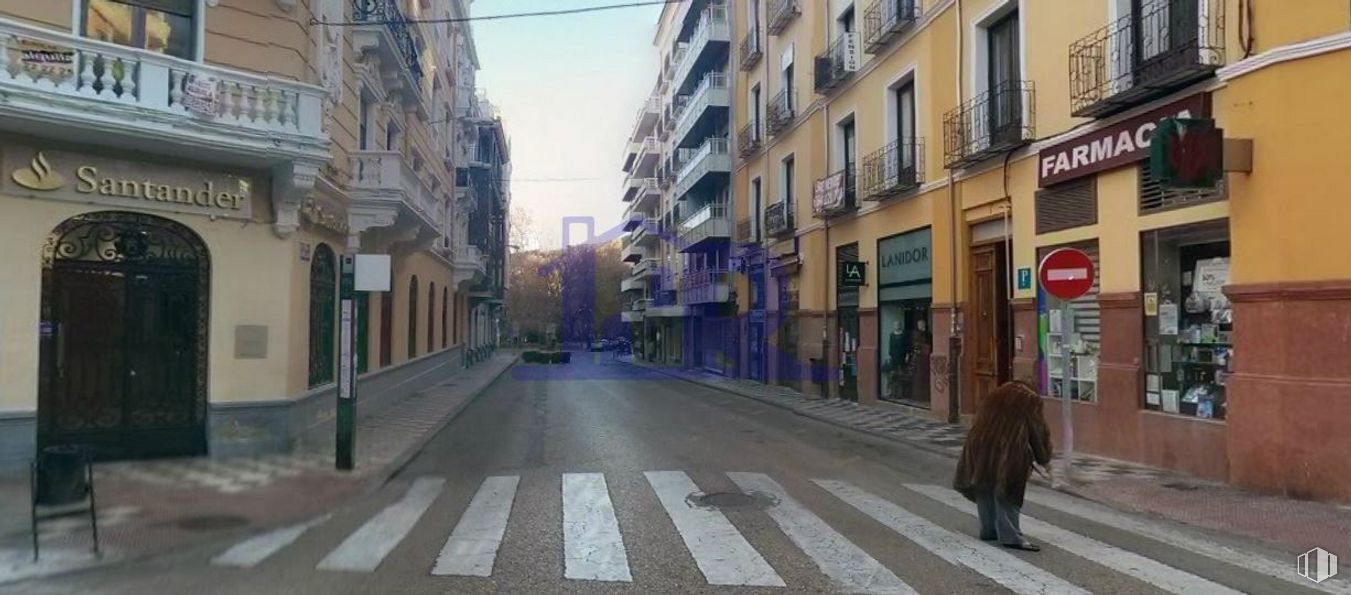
[
  {"x": 180, "y": 179},
  {"x": 905, "y": 165}
]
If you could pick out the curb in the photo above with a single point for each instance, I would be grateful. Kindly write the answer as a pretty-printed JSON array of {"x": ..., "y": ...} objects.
[{"x": 393, "y": 468}]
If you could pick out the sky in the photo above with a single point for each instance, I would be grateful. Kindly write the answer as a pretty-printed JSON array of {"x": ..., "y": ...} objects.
[{"x": 569, "y": 88}]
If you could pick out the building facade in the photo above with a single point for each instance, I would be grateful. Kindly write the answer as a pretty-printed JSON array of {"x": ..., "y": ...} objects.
[
  {"x": 904, "y": 165},
  {"x": 181, "y": 179}
]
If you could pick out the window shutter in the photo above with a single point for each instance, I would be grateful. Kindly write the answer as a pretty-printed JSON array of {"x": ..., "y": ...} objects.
[
  {"x": 1155, "y": 198},
  {"x": 1067, "y": 205}
]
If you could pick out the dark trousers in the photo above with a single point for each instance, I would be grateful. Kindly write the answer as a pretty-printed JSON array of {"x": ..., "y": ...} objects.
[{"x": 998, "y": 519}]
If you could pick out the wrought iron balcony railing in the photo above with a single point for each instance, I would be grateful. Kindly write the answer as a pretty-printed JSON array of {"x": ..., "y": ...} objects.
[
  {"x": 1171, "y": 44},
  {"x": 781, "y": 112},
  {"x": 895, "y": 168},
  {"x": 837, "y": 63},
  {"x": 885, "y": 19},
  {"x": 779, "y": 219},
  {"x": 749, "y": 140},
  {"x": 847, "y": 202},
  {"x": 751, "y": 48},
  {"x": 994, "y": 121},
  {"x": 705, "y": 286},
  {"x": 387, "y": 12},
  {"x": 781, "y": 13}
]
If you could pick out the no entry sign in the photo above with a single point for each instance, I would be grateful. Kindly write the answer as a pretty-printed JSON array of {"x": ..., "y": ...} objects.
[{"x": 1066, "y": 273}]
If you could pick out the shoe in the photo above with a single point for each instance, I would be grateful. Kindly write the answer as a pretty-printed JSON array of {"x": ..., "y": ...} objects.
[{"x": 1025, "y": 546}]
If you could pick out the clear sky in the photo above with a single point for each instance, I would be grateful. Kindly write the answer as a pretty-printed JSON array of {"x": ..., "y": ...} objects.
[{"x": 569, "y": 88}]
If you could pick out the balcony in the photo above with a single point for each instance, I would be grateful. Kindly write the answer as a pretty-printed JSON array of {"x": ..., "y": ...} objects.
[
  {"x": 385, "y": 187},
  {"x": 647, "y": 267},
  {"x": 781, "y": 13},
  {"x": 779, "y": 219},
  {"x": 649, "y": 153},
  {"x": 631, "y": 317},
  {"x": 745, "y": 233},
  {"x": 708, "y": 228},
  {"x": 711, "y": 161},
  {"x": 839, "y": 62},
  {"x": 781, "y": 112},
  {"x": 707, "y": 45},
  {"x": 1172, "y": 44},
  {"x": 634, "y": 187},
  {"x": 835, "y": 194},
  {"x": 647, "y": 195},
  {"x": 893, "y": 169},
  {"x": 137, "y": 100},
  {"x": 640, "y": 305},
  {"x": 469, "y": 263},
  {"x": 382, "y": 28},
  {"x": 707, "y": 286},
  {"x": 646, "y": 120},
  {"x": 633, "y": 284},
  {"x": 633, "y": 220},
  {"x": 990, "y": 123},
  {"x": 751, "y": 48},
  {"x": 632, "y": 253},
  {"x": 749, "y": 140},
  {"x": 646, "y": 234},
  {"x": 703, "y": 110},
  {"x": 884, "y": 20}
]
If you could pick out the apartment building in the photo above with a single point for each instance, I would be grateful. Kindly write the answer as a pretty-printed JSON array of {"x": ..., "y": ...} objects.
[
  {"x": 678, "y": 166},
  {"x": 181, "y": 178},
  {"x": 904, "y": 165}
]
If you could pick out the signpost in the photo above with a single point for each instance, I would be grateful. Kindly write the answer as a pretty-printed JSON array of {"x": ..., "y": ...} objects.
[
  {"x": 347, "y": 389},
  {"x": 1067, "y": 274}
]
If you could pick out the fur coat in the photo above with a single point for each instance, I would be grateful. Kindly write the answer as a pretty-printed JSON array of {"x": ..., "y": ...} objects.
[{"x": 1008, "y": 437}]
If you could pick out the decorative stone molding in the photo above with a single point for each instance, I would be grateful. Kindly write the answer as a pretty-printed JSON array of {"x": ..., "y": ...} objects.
[{"x": 291, "y": 185}]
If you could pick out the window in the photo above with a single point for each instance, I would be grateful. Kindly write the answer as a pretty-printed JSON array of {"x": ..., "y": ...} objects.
[
  {"x": 391, "y": 136},
  {"x": 755, "y": 110},
  {"x": 363, "y": 131},
  {"x": 161, "y": 26},
  {"x": 431, "y": 317},
  {"x": 757, "y": 210},
  {"x": 1189, "y": 325},
  {"x": 1079, "y": 337},
  {"x": 846, "y": 20},
  {"x": 848, "y": 153},
  {"x": 1067, "y": 205},
  {"x": 1002, "y": 75},
  {"x": 412, "y": 317},
  {"x": 323, "y": 314},
  {"x": 903, "y": 101},
  {"x": 787, "y": 179}
]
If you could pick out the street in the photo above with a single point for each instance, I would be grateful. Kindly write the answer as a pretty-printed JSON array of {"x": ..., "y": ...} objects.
[{"x": 588, "y": 477}]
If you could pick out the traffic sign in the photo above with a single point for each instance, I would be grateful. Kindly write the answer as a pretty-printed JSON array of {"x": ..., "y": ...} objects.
[{"x": 1066, "y": 273}]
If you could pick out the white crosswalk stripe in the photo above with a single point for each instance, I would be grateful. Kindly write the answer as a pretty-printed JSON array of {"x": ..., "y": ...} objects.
[
  {"x": 363, "y": 550},
  {"x": 1197, "y": 545},
  {"x": 1003, "y": 568},
  {"x": 837, "y": 557},
  {"x": 252, "y": 551},
  {"x": 472, "y": 546},
  {"x": 593, "y": 548},
  {"x": 720, "y": 551},
  {"x": 1150, "y": 571}
]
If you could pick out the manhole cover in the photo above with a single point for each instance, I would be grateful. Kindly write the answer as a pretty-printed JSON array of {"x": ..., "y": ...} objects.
[
  {"x": 732, "y": 500},
  {"x": 214, "y": 522}
]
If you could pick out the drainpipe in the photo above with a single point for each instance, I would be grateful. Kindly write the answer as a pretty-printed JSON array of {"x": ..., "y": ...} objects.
[
  {"x": 829, "y": 256},
  {"x": 954, "y": 334}
]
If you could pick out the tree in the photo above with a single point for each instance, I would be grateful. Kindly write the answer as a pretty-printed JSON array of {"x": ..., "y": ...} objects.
[
  {"x": 521, "y": 231},
  {"x": 575, "y": 290}
]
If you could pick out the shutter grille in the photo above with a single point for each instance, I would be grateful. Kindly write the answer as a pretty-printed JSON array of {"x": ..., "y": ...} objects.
[
  {"x": 1155, "y": 198},
  {"x": 1067, "y": 205}
]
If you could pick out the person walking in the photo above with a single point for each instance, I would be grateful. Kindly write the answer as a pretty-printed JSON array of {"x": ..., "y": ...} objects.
[{"x": 1007, "y": 441}]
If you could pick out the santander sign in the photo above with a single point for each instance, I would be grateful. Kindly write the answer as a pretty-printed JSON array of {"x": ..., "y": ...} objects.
[{"x": 1113, "y": 146}]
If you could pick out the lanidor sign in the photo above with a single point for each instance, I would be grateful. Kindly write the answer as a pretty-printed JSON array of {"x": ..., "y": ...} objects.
[{"x": 1114, "y": 146}]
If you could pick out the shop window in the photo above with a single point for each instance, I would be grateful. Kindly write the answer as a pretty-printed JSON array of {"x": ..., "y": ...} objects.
[
  {"x": 1076, "y": 341},
  {"x": 323, "y": 314},
  {"x": 1154, "y": 198},
  {"x": 1067, "y": 205},
  {"x": 1188, "y": 320},
  {"x": 161, "y": 26},
  {"x": 905, "y": 316}
]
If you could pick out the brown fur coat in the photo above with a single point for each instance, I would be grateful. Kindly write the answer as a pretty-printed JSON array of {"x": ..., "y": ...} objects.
[{"x": 1007, "y": 438}]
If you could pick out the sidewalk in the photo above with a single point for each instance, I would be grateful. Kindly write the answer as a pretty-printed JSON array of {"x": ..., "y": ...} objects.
[
  {"x": 1284, "y": 523},
  {"x": 147, "y": 507}
]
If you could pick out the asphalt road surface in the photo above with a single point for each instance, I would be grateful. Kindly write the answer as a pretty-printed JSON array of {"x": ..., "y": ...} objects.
[{"x": 601, "y": 477}]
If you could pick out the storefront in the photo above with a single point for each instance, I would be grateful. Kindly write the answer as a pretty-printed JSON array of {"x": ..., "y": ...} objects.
[
  {"x": 905, "y": 317},
  {"x": 847, "y": 282}
]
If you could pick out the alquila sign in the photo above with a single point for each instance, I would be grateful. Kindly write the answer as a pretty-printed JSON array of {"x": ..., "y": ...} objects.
[
  {"x": 1113, "y": 146},
  {"x": 61, "y": 175}
]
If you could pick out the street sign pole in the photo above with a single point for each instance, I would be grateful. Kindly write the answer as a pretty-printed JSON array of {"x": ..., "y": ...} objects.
[
  {"x": 1067, "y": 274},
  {"x": 347, "y": 390},
  {"x": 1067, "y": 386}
]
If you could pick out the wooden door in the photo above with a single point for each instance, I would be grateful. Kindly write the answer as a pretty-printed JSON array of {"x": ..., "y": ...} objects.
[{"x": 988, "y": 353}]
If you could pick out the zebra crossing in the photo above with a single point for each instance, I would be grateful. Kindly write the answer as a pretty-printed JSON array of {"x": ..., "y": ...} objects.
[{"x": 594, "y": 546}]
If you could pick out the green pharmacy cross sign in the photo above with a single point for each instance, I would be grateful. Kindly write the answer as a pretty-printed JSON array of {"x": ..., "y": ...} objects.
[{"x": 1187, "y": 153}]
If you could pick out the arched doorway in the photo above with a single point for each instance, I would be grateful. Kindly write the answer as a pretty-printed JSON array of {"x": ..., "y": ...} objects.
[
  {"x": 323, "y": 314},
  {"x": 123, "y": 341}
]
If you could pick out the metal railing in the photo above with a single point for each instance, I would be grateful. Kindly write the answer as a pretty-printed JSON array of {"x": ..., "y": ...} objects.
[
  {"x": 837, "y": 63},
  {"x": 781, "y": 13},
  {"x": 779, "y": 219},
  {"x": 895, "y": 168},
  {"x": 781, "y": 112},
  {"x": 694, "y": 104},
  {"x": 994, "y": 121},
  {"x": 749, "y": 140},
  {"x": 751, "y": 48},
  {"x": 704, "y": 286},
  {"x": 1142, "y": 56},
  {"x": 883, "y": 20},
  {"x": 712, "y": 23},
  {"x": 694, "y": 163},
  {"x": 387, "y": 12}
]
